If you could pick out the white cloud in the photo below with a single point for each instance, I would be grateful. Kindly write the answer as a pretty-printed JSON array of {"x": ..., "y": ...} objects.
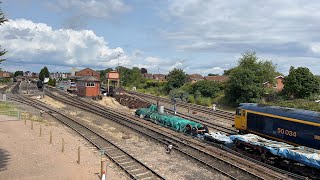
[
  {"x": 239, "y": 25},
  {"x": 38, "y": 43}
]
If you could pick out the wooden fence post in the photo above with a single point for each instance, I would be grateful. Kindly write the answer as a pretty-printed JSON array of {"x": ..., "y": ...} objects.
[
  {"x": 50, "y": 137},
  {"x": 62, "y": 144},
  {"x": 78, "y": 154}
]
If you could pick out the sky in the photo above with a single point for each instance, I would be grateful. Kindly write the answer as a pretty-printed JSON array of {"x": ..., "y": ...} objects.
[{"x": 194, "y": 35}]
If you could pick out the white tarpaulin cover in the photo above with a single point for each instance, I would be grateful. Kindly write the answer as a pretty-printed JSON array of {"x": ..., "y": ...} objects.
[{"x": 304, "y": 155}]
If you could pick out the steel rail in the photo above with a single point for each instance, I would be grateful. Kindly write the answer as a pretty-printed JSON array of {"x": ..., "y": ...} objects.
[
  {"x": 104, "y": 110},
  {"x": 132, "y": 166}
]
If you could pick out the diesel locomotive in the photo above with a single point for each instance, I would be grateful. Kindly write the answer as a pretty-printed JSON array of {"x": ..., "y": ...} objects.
[{"x": 293, "y": 126}]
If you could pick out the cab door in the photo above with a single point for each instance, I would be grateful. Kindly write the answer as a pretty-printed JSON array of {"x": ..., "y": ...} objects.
[
  {"x": 243, "y": 119},
  {"x": 237, "y": 119}
]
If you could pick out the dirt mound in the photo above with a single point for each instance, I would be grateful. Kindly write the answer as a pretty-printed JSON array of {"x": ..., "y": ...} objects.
[{"x": 132, "y": 102}]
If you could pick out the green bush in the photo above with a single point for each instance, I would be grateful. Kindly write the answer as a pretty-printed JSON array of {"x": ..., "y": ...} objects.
[
  {"x": 191, "y": 99},
  {"x": 203, "y": 101},
  {"x": 297, "y": 103}
]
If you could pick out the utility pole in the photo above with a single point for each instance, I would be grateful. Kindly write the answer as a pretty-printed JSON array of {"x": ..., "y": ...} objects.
[
  {"x": 158, "y": 88},
  {"x": 119, "y": 70}
]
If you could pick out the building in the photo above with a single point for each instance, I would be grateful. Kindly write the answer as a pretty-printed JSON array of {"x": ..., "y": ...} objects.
[
  {"x": 278, "y": 85},
  {"x": 4, "y": 74},
  {"x": 217, "y": 78},
  {"x": 60, "y": 75},
  {"x": 160, "y": 77},
  {"x": 113, "y": 78},
  {"x": 148, "y": 76},
  {"x": 88, "y": 72},
  {"x": 88, "y": 86},
  {"x": 193, "y": 78}
]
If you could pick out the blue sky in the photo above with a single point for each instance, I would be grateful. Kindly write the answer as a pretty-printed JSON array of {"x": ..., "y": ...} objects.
[{"x": 195, "y": 35}]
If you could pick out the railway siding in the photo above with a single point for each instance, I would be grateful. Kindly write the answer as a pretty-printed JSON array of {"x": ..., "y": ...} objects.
[{"x": 164, "y": 132}]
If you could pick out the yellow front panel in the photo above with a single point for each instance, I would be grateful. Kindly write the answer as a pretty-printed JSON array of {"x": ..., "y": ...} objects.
[
  {"x": 237, "y": 122},
  {"x": 243, "y": 120}
]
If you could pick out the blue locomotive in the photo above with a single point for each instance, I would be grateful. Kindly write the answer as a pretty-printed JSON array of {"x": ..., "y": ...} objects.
[{"x": 293, "y": 126}]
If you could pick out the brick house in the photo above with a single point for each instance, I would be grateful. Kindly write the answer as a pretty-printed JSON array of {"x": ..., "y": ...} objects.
[
  {"x": 160, "y": 77},
  {"x": 148, "y": 76},
  {"x": 88, "y": 72},
  {"x": 278, "y": 85},
  {"x": 195, "y": 78},
  {"x": 4, "y": 74},
  {"x": 217, "y": 78},
  {"x": 88, "y": 86}
]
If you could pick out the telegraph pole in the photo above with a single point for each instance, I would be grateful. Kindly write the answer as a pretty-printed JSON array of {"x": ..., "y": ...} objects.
[
  {"x": 119, "y": 71},
  {"x": 158, "y": 88}
]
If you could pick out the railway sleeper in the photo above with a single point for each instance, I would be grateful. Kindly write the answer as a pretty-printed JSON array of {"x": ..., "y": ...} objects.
[{"x": 142, "y": 175}]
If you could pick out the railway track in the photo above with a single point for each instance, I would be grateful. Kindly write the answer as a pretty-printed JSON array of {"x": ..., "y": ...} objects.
[
  {"x": 221, "y": 126},
  {"x": 221, "y": 161},
  {"x": 203, "y": 109},
  {"x": 132, "y": 166},
  {"x": 4, "y": 89}
]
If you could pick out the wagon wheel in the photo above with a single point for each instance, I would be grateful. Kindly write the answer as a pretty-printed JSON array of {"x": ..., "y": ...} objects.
[
  {"x": 188, "y": 129},
  {"x": 206, "y": 129},
  {"x": 194, "y": 131}
]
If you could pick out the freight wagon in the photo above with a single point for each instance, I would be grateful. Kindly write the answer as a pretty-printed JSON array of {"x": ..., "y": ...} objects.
[
  {"x": 293, "y": 126},
  {"x": 173, "y": 122}
]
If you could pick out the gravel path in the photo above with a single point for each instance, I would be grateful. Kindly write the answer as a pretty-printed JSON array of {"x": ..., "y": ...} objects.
[{"x": 26, "y": 155}]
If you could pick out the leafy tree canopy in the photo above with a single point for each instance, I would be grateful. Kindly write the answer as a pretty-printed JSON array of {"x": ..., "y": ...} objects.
[
  {"x": 44, "y": 73},
  {"x": 130, "y": 77},
  {"x": 246, "y": 80},
  {"x": 18, "y": 73},
  {"x": 300, "y": 83},
  {"x": 210, "y": 74},
  {"x": 103, "y": 74},
  {"x": 52, "y": 82},
  {"x": 206, "y": 88},
  {"x": 179, "y": 94},
  {"x": 176, "y": 78}
]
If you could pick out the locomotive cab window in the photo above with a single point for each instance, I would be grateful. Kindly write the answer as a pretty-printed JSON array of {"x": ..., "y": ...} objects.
[{"x": 238, "y": 112}]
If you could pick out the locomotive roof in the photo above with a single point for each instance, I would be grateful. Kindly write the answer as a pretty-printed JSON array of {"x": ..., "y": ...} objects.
[{"x": 311, "y": 116}]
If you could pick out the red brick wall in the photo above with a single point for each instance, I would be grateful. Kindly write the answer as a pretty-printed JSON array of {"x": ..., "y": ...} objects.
[
  {"x": 279, "y": 84},
  {"x": 89, "y": 91},
  {"x": 93, "y": 91}
]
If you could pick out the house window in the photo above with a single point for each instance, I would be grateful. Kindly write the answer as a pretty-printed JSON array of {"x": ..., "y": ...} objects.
[{"x": 91, "y": 84}]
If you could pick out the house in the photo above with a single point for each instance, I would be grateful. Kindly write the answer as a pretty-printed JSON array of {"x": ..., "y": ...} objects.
[
  {"x": 4, "y": 74},
  {"x": 88, "y": 86},
  {"x": 278, "y": 85},
  {"x": 60, "y": 75},
  {"x": 195, "y": 78},
  {"x": 148, "y": 76},
  {"x": 217, "y": 78},
  {"x": 88, "y": 72},
  {"x": 160, "y": 77}
]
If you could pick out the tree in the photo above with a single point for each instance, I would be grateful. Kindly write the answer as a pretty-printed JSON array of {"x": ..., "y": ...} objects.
[
  {"x": 300, "y": 83},
  {"x": 206, "y": 88},
  {"x": 2, "y": 20},
  {"x": 103, "y": 74},
  {"x": 52, "y": 82},
  {"x": 18, "y": 73},
  {"x": 143, "y": 70},
  {"x": 44, "y": 73},
  {"x": 176, "y": 78},
  {"x": 210, "y": 74},
  {"x": 246, "y": 80}
]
